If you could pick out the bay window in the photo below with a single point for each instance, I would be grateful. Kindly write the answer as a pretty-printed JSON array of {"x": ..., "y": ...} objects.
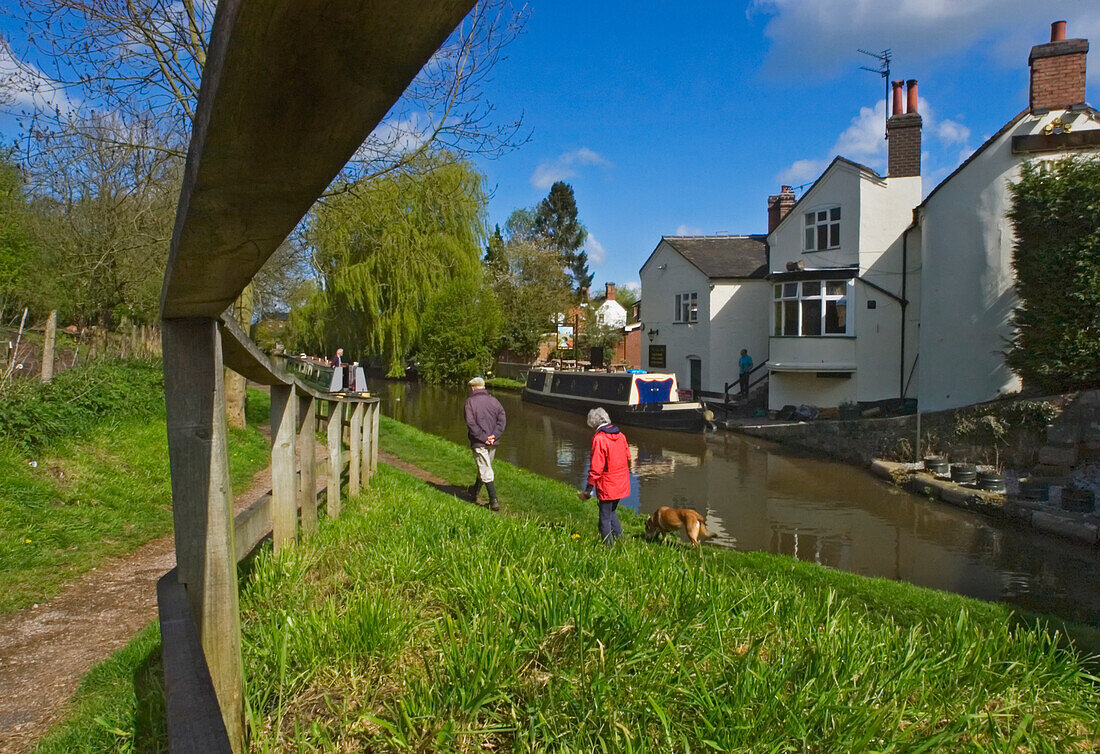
[{"x": 811, "y": 308}]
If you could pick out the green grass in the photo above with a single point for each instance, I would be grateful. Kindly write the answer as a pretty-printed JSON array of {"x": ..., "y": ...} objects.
[
  {"x": 505, "y": 383},
  {"x": 119, "y": 706},
  {"x": 105, "y": 492},
  {"x": 419, "y": 622}
]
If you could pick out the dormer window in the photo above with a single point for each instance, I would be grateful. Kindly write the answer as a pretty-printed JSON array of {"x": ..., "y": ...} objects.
[{"x": 822, "y": 229}]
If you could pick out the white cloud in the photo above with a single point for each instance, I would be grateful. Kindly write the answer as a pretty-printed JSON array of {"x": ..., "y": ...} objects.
[
  {"x": 801, "y": 171},
  {"x": 27, "y": 86},
  {"x": 565, "y": 166},
  {"x": 820, "y": 37},
  {"x": 396, "y": 136},
  {"x": 688, "y": 230},
  {"x": 597, "y": 255},
  {"x": 951, "y": 132}
]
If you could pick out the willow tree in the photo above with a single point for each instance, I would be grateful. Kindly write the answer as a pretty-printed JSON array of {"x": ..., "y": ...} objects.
[{"x": 381, "y": 249}]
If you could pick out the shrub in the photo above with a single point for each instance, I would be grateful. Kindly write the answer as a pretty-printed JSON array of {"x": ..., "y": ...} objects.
[
  {"x": 33, "y": 415},
  {"x": 1056, "y": 215}
]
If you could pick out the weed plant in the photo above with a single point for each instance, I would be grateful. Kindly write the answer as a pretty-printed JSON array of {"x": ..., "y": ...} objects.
[{"x": 420, "y": 622}]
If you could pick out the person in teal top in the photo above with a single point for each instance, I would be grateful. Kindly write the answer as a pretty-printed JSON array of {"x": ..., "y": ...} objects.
[{"x": 745, "y": 364}]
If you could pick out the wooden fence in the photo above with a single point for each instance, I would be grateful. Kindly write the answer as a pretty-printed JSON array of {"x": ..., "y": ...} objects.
[{"x": 195, "y": 707}]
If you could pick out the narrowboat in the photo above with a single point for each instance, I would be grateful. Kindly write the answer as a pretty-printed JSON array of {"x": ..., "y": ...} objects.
[
  {"x": 324, "y": 378},
  {"x": 641, "y": 400}
]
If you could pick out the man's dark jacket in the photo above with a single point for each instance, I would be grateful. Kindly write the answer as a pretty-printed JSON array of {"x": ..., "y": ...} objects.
[{"x": 484, "y": 417}]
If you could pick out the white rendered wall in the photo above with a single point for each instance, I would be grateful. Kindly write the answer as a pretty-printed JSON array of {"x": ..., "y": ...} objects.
[
  {"x": 659, "y": 289},
  {"x": 967, "y": 293},
  {"x": 738, "y": 319},
  {"x": 611, "y": 314},
  {"x": 838, "y": 187}
]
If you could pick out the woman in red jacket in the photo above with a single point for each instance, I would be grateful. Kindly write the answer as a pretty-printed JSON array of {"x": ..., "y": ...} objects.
[{"x": 608, "y": 473}]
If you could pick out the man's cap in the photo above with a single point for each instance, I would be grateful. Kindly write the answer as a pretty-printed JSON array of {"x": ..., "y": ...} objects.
[{"x": 477, "y": 382}]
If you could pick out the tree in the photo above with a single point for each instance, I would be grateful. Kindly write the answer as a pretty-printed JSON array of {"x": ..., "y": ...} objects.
[
  {"x": 381, "y": 249},
  {"x": 461, "y": 326},
  {"x": 18, "y": 252},
  {"x": 627, "y": 295},
  {"x": 533, "y": 290},
  {"x": 1056, "y": 213},
  {"x": 494, "y": 250},
  {"x": 556, "y": 222}
]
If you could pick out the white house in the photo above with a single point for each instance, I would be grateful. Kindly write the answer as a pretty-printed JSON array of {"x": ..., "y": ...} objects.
[
  {"x": 840, "y": 292},
  {"x": 610, "y": 313},
  {"x": 705, "y": 299},
  {"x": 878, "y": 295},
  {"x": 965, "y": 238}
]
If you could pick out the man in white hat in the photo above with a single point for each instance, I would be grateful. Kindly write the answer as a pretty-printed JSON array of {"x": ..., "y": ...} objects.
[{"x": 485, "y": 422}]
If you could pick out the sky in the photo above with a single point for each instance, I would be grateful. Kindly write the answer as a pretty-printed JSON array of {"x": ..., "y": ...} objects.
[{"x": 674, "y": 118}]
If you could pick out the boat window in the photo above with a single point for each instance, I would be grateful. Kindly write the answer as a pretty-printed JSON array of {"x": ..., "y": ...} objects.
[{"x": 536, "y": 381}]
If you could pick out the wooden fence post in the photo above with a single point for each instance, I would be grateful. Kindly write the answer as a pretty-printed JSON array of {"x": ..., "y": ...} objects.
[
  {"x": 307, "y": 443},
  {"x": 335, "y": 456},
  {"x": 355, "y": 450},
  {"x": 202, "y": 503},
  {"x": 376, "y": 410},
  {"x": 48, "y": 346},
  {"x": 284, "y": 482},
  {"x": 367, "y": 446}
]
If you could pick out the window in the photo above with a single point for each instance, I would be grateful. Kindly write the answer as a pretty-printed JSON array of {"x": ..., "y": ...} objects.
[
  {"x": 822, "y": 229},
  {"x": 657, "y": 357},
  {"x": 810, "y": 307},
  {"x": 687, "y": 307}
]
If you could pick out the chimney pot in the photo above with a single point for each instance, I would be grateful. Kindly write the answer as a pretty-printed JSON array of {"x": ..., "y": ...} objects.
[
  {"x": 911, "y": 96},
  {"x": 1057, "y": 31},
  {"x": 897, "y": 109}
]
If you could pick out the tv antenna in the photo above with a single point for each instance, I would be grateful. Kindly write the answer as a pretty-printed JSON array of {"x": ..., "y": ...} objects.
[{"x": 883, "y": 70}]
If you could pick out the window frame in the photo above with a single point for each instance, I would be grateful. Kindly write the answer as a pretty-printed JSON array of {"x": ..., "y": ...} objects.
[
  {"x": 689, "y": 299},
  {"x": 788, "y": 307},
  {"x": 824, "y": 220}
]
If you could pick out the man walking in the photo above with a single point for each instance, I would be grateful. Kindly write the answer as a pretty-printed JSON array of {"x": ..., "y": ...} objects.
[
  {"x": 608, "y": 473},
  {"x": 485, "y": 422},
  {"x": 745, "y": 366}
]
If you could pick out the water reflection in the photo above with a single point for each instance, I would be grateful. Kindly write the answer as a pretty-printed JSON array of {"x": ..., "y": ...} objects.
[{"x": 756, "y": 497}]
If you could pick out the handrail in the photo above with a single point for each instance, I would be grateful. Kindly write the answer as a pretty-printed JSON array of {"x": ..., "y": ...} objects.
[{"x": 726, "y": 386}]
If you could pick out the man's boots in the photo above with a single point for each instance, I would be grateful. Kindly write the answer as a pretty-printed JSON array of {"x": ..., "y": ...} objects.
[
  {"x": 492, "y": 490},
  {"x": 473, "y": 489}
]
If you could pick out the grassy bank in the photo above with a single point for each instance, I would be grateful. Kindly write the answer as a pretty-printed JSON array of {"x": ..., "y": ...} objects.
[
  {"x": 420, "y": 622},
  {"x": 504, "y": 383},
  {"x": 84, "y": 473}
]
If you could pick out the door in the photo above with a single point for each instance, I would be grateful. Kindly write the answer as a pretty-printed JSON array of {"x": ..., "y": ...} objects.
[{"x": 696, "y": 366}]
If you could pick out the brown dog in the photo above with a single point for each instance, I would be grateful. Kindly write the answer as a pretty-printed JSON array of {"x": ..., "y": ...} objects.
[{"x": 666, "y": 519}]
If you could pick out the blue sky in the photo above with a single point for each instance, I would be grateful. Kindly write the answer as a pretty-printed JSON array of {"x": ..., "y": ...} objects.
[
  {"x": 673, "y": 118},
  {"x": 682, "y": 117}
]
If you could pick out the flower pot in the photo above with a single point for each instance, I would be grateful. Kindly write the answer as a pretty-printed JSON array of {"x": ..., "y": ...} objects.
[
  {"x": 992, "y": 482},
  {"x": 937, "y": 466},
  {"x": 1078, "y": 500},
  {"x": 965, "y": 474}
]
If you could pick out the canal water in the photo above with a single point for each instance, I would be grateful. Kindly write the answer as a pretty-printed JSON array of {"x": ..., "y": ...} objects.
[{"x": 757, "y": 496}]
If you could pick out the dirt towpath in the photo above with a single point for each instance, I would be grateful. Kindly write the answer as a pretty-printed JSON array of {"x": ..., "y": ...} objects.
[{"x": 45, "y": 650}]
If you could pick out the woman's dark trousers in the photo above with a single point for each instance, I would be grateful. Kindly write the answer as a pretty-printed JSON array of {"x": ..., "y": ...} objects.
[{"x": 610, "y": 528}]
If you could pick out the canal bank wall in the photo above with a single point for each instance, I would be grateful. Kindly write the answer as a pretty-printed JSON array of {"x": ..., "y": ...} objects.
[{"x": 1058, "y": 432}]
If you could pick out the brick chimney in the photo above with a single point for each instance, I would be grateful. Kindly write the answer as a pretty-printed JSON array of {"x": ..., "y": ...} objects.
[
  {"x": 778, "y": 206},
  {"x": 609, "y": 291},
  {"x": 903, "y": 131},
  {"x": 1057, "y": 71}
]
